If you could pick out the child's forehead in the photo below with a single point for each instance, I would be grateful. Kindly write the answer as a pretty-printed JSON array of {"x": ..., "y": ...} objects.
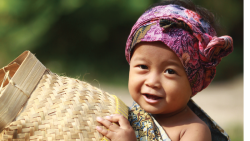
[
  {"x": 145, "y": 51},
  {"x": 150, "y": 47}
]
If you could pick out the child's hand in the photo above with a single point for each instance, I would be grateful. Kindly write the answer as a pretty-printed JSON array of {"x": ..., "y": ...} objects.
[{"x": 124, "y": 132}]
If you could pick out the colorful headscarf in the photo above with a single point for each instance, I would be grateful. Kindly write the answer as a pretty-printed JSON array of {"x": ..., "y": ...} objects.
[{"x": 188, "y": 35}]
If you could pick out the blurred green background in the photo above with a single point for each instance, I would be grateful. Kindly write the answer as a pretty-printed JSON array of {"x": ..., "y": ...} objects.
[{"x": 86, "y": 38}]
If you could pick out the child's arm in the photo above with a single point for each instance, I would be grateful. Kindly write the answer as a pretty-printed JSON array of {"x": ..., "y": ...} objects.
[{"x": 124, "y": 132}]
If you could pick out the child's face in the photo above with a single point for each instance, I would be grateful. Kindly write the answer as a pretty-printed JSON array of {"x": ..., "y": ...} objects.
[{"x": 157, "y": 79}]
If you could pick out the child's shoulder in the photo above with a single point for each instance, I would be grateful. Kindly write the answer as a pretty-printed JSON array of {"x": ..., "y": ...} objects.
[
  {"x": 195, "y": 130},
  {"x": 186, "y": 126}
]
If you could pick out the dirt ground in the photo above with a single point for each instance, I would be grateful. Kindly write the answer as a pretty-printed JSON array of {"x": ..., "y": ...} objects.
[{"x": 223, "y": 102}]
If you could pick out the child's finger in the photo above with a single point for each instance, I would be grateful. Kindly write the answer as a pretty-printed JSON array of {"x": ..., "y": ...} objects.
[
  {"x": 107, "y": 124},
  {"x": 120, "y": 119},
  {"x": 104, "y": 132}
]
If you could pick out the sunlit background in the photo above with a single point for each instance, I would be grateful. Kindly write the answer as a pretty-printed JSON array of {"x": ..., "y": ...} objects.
[{"x": 86, "y": 39}]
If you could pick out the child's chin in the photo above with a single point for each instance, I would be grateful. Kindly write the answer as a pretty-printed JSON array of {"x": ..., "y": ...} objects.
[{"x": 151, "y": 110}]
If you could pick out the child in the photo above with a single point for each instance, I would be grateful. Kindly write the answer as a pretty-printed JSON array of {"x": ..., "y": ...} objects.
[{"x": 173, "y": 53}]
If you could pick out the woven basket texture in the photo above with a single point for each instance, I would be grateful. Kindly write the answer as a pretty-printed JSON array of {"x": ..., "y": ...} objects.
[{"x": 62, "y": 108}]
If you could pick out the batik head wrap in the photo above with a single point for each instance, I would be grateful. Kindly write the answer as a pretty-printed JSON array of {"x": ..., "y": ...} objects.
[{"x": 185, "y": 32}]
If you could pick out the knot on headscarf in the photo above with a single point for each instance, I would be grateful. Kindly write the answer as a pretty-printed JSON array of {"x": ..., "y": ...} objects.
[
  {"x": 216, "y": 49},
  {"x": 185, "y": 32}
]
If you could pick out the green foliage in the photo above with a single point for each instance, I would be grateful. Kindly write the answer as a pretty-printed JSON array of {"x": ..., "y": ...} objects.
[{"x": 87, "y": 38}]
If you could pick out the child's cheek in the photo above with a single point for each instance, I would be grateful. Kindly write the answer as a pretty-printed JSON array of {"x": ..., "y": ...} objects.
[{"x": 134, "y": 85}]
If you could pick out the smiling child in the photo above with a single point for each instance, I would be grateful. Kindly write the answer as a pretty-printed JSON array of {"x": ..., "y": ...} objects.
[{"x": 173, "y": 52}]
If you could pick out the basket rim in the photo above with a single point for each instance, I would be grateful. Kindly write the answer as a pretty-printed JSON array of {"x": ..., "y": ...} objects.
[{"x": 17, "y": 91}]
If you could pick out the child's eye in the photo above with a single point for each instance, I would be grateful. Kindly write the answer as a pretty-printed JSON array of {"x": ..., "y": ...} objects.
[
  {"x": 170, "y": 71},
  {"x": 143, "y": 67}
]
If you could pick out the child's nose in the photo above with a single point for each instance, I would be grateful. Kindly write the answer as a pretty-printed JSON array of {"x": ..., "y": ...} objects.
[{"x": 153, "y": 80}]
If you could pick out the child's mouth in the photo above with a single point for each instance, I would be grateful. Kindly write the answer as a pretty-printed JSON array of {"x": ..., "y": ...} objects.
[{"x": 151, "y": 98}]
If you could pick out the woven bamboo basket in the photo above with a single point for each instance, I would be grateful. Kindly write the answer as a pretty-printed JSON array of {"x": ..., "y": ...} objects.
[{"x": 36, "y": 104}]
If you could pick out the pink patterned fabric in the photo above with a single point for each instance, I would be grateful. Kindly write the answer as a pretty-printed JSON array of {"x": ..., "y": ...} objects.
[{"x": 188, "y": 35}]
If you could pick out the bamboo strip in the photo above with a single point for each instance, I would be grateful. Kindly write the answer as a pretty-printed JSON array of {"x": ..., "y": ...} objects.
[{"x": 15, "y": 95}]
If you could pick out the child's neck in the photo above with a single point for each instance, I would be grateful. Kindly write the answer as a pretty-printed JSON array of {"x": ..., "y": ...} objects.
[{"x": 174, "y": 115}]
